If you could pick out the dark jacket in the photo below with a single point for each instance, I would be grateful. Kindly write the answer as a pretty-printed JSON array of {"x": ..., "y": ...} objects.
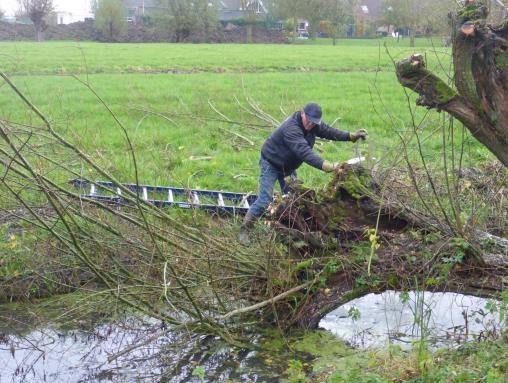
[{"x": 290, "y": 144}]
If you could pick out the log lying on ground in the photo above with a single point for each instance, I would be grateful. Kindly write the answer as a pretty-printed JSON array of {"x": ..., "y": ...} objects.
[{"x": 480, "y": 59}]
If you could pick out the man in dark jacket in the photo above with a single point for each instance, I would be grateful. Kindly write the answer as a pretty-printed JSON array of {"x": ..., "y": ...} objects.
[{"x": 285, "y": 150}]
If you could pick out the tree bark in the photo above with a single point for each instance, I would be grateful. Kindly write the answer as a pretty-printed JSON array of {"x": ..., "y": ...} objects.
[
  {"x": 40, "y": 27},
  {"x": 480, "y": 59}
]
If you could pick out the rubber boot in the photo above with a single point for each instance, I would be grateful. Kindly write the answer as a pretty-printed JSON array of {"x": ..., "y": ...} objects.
[{"x": 247, "y": 225}]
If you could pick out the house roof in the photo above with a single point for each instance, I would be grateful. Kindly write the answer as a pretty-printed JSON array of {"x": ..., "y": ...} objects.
[
  {"x": 233, "y": 9},
  {"x": 236, "y": 5},
  {"x": 139, "y": 3}
]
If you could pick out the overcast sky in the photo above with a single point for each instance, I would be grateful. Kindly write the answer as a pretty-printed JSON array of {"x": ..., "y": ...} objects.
[{"x": 78, "y": 7}]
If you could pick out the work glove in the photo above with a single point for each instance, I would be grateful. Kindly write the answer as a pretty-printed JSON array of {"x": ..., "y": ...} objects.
[
  {"x": 330, "y": 166},
  {"x": 359, "y": 134}
]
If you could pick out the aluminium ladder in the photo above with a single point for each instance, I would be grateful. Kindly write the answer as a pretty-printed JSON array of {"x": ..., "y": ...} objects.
[{"x": 212, "y": 200}]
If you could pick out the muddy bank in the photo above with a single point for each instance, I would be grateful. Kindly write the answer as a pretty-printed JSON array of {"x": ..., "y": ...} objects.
[{"x": 361, "y": 243}]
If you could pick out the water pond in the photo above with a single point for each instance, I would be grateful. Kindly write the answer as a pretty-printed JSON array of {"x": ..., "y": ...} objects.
[
  {"x": 441, "y": 319},
  {"x": 36, "y": 347}
]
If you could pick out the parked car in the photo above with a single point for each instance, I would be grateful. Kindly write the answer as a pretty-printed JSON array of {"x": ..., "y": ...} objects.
[{"x": 303, "y": 35}]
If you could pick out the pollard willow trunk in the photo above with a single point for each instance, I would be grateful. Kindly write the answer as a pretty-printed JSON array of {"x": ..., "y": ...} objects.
[{"x": 480, "y": 60}]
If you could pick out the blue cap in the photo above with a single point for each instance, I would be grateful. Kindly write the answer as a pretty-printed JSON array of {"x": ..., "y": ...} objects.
[{"x": 313, "y": 112}]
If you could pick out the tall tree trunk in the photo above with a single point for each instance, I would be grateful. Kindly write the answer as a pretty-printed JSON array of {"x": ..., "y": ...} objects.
[
  {"x": 480, "y": 59},
  {"x": 39, "y": 32},
  {"x": 248, "y": 30},
  {"x": 295, "y": 31}
]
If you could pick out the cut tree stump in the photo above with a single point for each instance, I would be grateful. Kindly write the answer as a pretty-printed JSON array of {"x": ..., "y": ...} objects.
[{"x": 350, "y": 205}]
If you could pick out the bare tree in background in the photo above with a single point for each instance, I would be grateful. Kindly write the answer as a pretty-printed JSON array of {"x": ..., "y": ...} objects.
[
  {"x": 110, "y": 19},
  {"x": 38, "y": 11},
  {"x": 404, "y": 14},
  {"x": 185, "y": 18},
  {"x": 249, "y": 18},
  {"x": 290, "y": 10},
  {"x": 336, "y": 13}
]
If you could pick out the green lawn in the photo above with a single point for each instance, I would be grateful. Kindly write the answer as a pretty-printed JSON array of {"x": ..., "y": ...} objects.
[
  {"x": 353, "y": 80},
  {"x": 73, "y": 57}
]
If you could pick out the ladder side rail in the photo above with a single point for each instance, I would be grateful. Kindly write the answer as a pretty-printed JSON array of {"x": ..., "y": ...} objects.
[
  {"x": 233, "y": 196},
  {"x": 109, "y": 187},
  {"x": 114, "y": 199},
  {"x": 105, "y": 183}
]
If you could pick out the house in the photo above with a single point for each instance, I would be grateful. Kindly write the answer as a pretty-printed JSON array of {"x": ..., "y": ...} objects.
[
  {"x": 136, "y": 9},
  {"x": 385, "y": 30},
  {"x": 366, "y": 14},
  {"x": 67, "y": 12},
  {"x": 238, "y": 9},
  {"x": 63, "y": 17}
]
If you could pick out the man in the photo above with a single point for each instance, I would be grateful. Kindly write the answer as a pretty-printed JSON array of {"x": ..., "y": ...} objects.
[{"x": 285, "y": 150}]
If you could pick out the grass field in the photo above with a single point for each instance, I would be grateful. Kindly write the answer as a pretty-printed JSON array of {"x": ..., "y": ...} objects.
[
  {"x": 354, "y": 80},
  {"x": 190, "y": 146}
]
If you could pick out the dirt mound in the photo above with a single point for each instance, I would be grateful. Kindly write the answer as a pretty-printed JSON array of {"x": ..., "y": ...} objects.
[
  {"x": 138, "y": 33},
  {"x": 74, "y": 31},
  {"x": 16, "y": 31}
]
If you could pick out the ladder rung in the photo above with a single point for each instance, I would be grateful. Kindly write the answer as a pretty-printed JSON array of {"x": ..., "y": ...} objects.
[
  {"x": 195, "y": 198},
  {"x": 92, "y": 189},
  {"x": 118, "y": 191},
  {"x": 170, "y": 196},
  {"x": 145, "y": 194},
  {"x": 245, "y": 202},
  {"x": 220, "y": 200}
]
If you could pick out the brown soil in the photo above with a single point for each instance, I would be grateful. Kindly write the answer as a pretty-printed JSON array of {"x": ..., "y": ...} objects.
[{"x": 137, "y": 33}]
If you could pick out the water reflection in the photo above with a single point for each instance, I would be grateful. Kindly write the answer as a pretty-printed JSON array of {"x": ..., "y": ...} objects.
[
  {"x": 73, "y": 354},
  {"x": 442, "y": 319}
]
